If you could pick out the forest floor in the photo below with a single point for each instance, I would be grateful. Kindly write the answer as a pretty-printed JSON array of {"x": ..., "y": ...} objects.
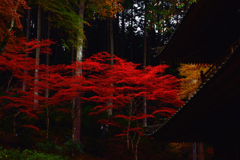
[{"x": 114, "y": 148}]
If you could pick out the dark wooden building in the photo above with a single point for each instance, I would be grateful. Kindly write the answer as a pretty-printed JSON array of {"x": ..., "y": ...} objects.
[{"x": 209, "y": 34}]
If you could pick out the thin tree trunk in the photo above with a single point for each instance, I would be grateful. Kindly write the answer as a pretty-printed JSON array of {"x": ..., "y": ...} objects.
[
  {"x": 122, "y": 36},
  {"x": 132, "y": 142},
  {"x": 108, "y": 35},
  {"x": 47, "y": 56},
  {"x": 129, "y": 123},
  {"x": 200, "y": 151},
  {"x": 145, "y": 63},
  {"x": 47, "y": 122},
  {"x": 131, "y": 34},
  {"x": 73, "y": 54},
  {"x": 73, "y": 118},
  {"x": 14, "y": 123},
  {"x": 111, "y": 41},
  {"x": 104, "y": 42},
  {"x": 136, "y": 147},
  {"x": 47, "y": 71},
  {"x": 150, "y": 44},
  {"x": 145, "y": 38},
  {"x": 37, "y": 58},
  {"x": 111, "y": 62},
  {"x": 118, "y": 38},
  {"x": 56, "y": 46},
  {"x": 27, "y": 40},
  {"x": 194, "y": 151},
  {"x": 128, "y": 136}
]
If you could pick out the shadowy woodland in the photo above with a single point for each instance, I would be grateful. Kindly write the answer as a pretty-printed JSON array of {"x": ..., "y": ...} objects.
[{"x": 80, "y": 79}]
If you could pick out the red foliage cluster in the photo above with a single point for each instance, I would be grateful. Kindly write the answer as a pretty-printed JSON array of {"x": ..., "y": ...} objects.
[
  {"x": 9, "y": 11},
  {"x": 122, "y": 84},
  {"x": 15, "y": 60},
  {"x": 10, "y": 18},
  {"x": 125, "y": 85}
]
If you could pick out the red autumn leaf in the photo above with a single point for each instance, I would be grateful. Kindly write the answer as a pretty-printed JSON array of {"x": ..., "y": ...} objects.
[
  {"x": 121, "y": 135},
  {"x": 31, "y": 126}
]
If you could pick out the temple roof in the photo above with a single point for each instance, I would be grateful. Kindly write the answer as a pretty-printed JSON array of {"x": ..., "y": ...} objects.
[
  {"x": 210, "y": 111},
  {"x": 209, "y": 33},
  {"x": 205, "y": 33}
]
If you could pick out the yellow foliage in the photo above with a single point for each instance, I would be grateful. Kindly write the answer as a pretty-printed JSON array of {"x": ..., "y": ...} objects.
[
  {"x": 107, "y": 8},
  {"x": 192, "y": 78},
  {"x": 177, "y": 147}
]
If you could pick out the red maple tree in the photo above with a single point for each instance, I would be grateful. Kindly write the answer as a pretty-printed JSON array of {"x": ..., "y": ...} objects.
[
  {"x": 129, "y": 85},
  {"x": 14, "y": 60}
]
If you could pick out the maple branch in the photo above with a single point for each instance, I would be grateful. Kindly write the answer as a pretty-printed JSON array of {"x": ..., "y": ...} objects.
[
  {"x": 132, "y": 141},
  {"x": 137, "y": 104},
  {"x": 4, "y": 43},
  {"x": 128, "y": 136},
  {"x": 135, "y": 101},
  {"x": 6, "y": 38},
  {"x": 9, "y": 83}
]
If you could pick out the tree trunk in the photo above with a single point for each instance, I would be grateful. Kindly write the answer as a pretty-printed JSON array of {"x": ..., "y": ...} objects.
[
  {"x": 79, "y": 56},
  {"x": 145, "y": 62},
  {"x": 14, "y": 123},
  {"x": 56, "y": 46},
  {"x": 150, "y": 44},
  {"x": 27, "y": 40},
  {"x": 47, "y": 56},
  {"x": 111, "y": 62},
  {"x": 111, "y": 41},
  {"x": 136, "y": 148},
  {"x": 128, "y": 136},
  {"x": 194, "y": 151},
  {"x": 117, "y": 38},
  {"x": 200, "y": 151},
  {"x": 129, "y": 124},
  {"x": 122, "y": 36},
  {"x": 37, "y": 57},
  {"x": 47, "y": 122},
  {"x": 131, "y": 34},
  {"x": 108, "y": 34},
  {"x": 47, "y": 71}
]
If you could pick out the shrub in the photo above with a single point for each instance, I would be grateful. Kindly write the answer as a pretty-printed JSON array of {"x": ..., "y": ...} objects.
[
  {"x": 72, "y": 147},
  {"x": 16, "y": 154},
  {"x": 49, "y": 147}
]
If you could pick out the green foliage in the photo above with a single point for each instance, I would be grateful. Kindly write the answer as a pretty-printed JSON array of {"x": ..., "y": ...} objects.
[
  {"x": 16, "y": 154},
  {"x": 192, "y": 1},
  {"x": 64, "y": 15},
  {"x": 72, "y": 146},
  {"x": 66, "y": 149},
  {"x": 49, "y": 147}
]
